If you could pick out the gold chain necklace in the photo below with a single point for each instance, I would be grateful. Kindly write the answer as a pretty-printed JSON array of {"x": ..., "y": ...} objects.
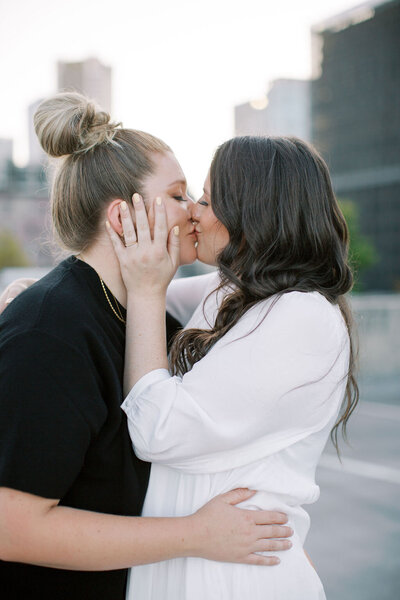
[{"x": 117, "y": 314}]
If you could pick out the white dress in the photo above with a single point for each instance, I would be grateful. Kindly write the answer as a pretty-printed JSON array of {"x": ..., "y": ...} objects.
[{"x": 255, "y": 412}]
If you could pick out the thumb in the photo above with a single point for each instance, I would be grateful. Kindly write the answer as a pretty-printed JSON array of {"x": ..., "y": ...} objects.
[
  {"x": 174, "y": 245},
  {"x": 238, "y": 495}
]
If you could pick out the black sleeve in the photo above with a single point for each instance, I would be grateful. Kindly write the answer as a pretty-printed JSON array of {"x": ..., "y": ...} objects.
[
  {"x": 50, "y": 407},
  {"x": 172, "y": 327}
]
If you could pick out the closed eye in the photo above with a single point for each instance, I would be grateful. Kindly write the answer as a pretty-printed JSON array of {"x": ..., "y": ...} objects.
[
  {"x": 202, "y": 202},
  {"x": 180, "y": 198}
]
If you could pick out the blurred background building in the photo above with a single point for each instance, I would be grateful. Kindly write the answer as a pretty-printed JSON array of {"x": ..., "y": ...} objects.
[
  {"x": 25, "y": 232},
  {"x": 356, "y": 123},
  {"x": 285, "y": 110},
  {"x": 89, "y": 77},
  {"x": 37, "y": 156},
  {"x": 351, "y": 113}
]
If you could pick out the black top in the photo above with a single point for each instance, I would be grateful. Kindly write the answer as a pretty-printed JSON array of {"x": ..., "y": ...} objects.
[{"x": 63, "y": 434}]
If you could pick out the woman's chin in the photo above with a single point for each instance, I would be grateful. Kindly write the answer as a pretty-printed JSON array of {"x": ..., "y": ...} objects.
[
  {"x": 201, "y": 257},
  {"x": 187, "y": 258}
]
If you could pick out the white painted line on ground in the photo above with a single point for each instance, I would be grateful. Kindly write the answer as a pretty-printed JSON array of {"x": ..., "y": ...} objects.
[
  {"x": 379, "y": 411},
  {"x": 360, "y": 468}
]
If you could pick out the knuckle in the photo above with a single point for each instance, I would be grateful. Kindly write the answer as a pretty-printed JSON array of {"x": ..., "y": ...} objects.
[
  {"x": 277, "y": 545},
  {"x": 274, "y": 531},
  {"x": 249, "y": 518},
  {"x": 272, "y": 545},
  {"x": 279, "y": 518},
  {"x": 159, "y": 254}
]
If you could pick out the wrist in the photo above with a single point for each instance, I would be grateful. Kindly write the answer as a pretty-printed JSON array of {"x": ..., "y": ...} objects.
[
  {"x": 193, "y": 543},
  {"x": 139, "y": 295}
]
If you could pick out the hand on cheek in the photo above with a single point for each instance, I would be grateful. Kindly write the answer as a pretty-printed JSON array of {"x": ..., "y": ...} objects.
[{"x": 150, "y": 215}]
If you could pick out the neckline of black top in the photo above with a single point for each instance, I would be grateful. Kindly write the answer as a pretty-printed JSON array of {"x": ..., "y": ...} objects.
[{"x": 93, "y": 280}]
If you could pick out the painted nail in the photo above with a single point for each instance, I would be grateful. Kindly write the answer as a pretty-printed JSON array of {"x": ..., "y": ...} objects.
[
  {"x": 176, "y": 230},
  {"x": 123, "y": 205},
  {"x": 158, "y": 201},
  {"x": 8, "y": 300},
  {"x": 136, "y": 198}
]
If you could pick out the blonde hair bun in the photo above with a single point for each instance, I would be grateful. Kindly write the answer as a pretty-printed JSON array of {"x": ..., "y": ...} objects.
[{"x": 70, "y": 123}]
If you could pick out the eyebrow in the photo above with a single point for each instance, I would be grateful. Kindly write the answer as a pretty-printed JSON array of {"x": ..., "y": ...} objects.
[
  {"x": 183, "y": 181},
  {"x": 206, "y": 192}
]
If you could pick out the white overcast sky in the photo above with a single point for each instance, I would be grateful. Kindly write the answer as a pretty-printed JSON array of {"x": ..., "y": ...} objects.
[{"x": 179, "y": 66}]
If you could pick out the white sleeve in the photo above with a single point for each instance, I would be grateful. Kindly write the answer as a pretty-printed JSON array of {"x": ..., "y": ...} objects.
[
  {"x": 250, "y": 396},
  {"x": 184, "y": 294}
]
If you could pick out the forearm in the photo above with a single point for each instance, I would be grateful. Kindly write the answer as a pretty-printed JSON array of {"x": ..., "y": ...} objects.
[
  {"x": 67, "y": 538},
  {"x": 145, "y": 337}
]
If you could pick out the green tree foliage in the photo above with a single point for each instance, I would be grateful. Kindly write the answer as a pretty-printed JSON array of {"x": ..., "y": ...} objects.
[
  {"x": 362, "y": 252},
  {"x": 11, "y": 252}
]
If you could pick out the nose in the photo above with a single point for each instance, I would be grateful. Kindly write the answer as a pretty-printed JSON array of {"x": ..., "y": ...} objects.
[{"x": 194, "y": 211}]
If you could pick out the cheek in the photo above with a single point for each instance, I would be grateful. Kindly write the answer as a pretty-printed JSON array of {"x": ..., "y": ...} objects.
[
  {"x": 210, "y": 225},
  {"x": 223, "y": 237},
  {"x": 176, "y": 214}
]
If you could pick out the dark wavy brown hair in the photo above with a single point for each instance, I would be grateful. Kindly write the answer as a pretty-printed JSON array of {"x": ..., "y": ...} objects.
[{"x": 286, "y": 233}]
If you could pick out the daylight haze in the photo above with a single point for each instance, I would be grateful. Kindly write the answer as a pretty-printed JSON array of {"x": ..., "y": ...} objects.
[{"x": 179, "y": 67}]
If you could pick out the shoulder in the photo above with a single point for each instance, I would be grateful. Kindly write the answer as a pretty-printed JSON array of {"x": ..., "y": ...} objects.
[
  {"x": 305, "y": 319},
  {"x": 52, "y": 304},
  {"x": 310, "y": 306}
]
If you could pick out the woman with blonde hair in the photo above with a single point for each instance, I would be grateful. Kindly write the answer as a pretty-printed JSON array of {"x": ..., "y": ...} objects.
[{"x": 71, "y": 487}]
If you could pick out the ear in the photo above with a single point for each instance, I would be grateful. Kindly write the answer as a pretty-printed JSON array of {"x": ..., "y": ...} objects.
[{"x": 114, "y": 217}]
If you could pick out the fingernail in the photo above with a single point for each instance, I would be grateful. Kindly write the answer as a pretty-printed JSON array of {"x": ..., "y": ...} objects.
[
  {"x": 291, "y": 531},
  {"x": 123, "y": 205},
  {"x": 108, "y": 224},
  {"x": 8, "y": 300},
  {"x": 176, "y": 230},
  {"x": 289, "y": 544},
  {"x": 136, "y": 198},
  {"x": 277, "y": 561},
  {"x": 158, "y": 201}
]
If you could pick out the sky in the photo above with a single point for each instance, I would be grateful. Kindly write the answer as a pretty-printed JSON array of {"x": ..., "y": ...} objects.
[{"x": 179, "y": 66}]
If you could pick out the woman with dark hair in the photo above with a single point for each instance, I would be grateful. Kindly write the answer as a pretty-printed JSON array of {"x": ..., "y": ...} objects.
[{"x": 260, "y": 371}]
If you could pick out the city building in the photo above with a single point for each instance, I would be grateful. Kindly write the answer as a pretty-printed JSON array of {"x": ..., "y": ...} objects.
[
  {"x": 6, "y": 157},
  {"x": 24, "y": 213},
  {"x": 37, "y": 157},
  {"x": 285, "y": 110},
  {"x": 90, "y": 77},
  {"x": 24, "y": 191},
  {"x": 356, "y": 123}
]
